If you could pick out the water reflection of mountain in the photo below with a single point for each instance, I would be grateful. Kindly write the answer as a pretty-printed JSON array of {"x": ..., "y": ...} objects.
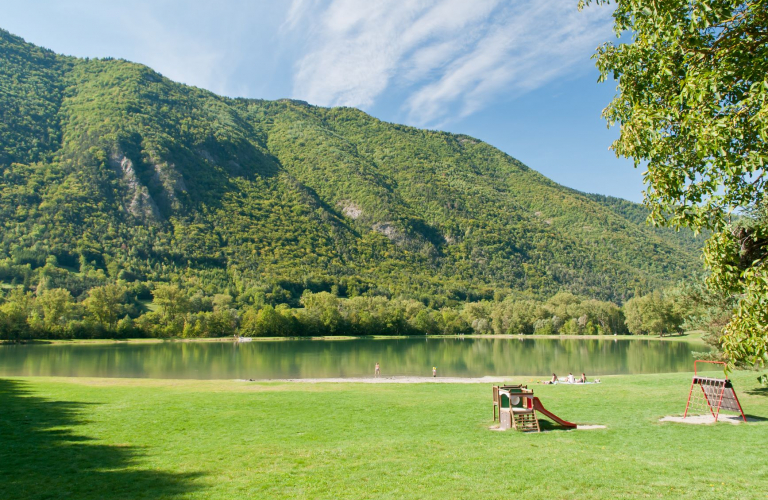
[{"x": 349, "y": 358}]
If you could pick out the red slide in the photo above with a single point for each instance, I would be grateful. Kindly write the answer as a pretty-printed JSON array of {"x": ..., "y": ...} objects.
[{"x": 540, "y": 408}]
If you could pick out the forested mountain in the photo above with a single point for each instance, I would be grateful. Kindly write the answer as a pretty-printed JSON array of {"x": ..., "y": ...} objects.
[{"x": 110, "y": 171}]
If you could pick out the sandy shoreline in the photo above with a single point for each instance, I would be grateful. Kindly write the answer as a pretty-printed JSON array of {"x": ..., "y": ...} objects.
[
  {"x": 695, "y": 338},
  {"x": 393, "y": 380}
]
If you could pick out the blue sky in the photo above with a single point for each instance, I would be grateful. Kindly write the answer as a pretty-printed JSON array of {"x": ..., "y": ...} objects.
[{"x": 514, "y": 73}]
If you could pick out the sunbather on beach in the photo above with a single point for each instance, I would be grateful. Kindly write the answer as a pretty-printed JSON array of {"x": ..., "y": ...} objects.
[{"x": 552, "y": 381}]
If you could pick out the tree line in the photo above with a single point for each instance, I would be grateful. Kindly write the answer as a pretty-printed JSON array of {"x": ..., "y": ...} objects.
[{"x": 164, "y": 310}]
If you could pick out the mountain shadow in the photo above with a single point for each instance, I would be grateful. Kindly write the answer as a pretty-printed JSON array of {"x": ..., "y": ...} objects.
[{"x": 42, "y": 456}]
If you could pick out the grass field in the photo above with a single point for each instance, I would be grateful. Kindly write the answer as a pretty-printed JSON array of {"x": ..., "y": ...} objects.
[{"x": 153, "y": 439}]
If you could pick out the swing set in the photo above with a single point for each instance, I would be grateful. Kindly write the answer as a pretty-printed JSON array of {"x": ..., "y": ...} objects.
[{"x": 711, "y": 395}]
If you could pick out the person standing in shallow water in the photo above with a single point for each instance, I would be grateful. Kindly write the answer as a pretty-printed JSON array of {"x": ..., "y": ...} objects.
[
  {"x": 434, "y": 371},
  {"x": 377, "y": 370}
]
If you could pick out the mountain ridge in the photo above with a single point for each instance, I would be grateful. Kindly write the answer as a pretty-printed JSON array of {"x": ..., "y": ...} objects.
[{"x": 107, "y": 166}]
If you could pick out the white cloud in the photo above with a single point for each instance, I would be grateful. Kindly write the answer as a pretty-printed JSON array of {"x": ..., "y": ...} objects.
[
  {"x": 172, "y": 49},
  {"x": 453, "y": 57},
  {"x": 296, "y": 12},
  {"x": 356, "y": 55}
]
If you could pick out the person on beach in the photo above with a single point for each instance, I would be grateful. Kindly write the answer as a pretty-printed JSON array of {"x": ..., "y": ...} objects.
[
  {"x": 377, "y": 370},
  {"x": 583, "y": 379},
  {"x": 553, "y": 381},
  {"x": 434, "y": 371},
  {"x": 571, "y": 379}
]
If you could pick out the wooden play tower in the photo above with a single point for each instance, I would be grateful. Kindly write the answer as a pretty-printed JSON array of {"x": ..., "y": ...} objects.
[
  {"x": 516, "y": 411},
  {"x": 517, "y": 408}
]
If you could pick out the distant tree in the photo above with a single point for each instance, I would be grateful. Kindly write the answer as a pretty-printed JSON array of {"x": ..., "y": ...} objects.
[
  {"x": 248, "y": 321},
  {"x": 702, "y": 308},
  {"x": 322, "y": 311},
  {"x": 606, "y": 317},
  {"x": 452, "y": 323},
  {"x": 15, "y": 315},
  {"x": 222, "y": 322},
  {"x": 516, "y": 316},
  {"x": 633, "y": 312},
  {"x": 651, "y": 314},
  {"x": 692, "y": 103},
  {"x": 105, "y": 304},
  {"x": 425, "y": 323},
  {"x": 125, "y": 327},
  {"x": 572, "y": 327},
  {"x": 544, "y": 327},
  {"x": 266, "y": 322},
  {"x": 173, "y": 302},
  {"x": 562, "y": 304},
  {"x": 222, "y": 301},
  {"x": 56, "y": 306}
]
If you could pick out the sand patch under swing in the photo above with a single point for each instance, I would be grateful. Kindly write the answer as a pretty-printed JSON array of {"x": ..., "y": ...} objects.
[{"x": 703, "y": 419}]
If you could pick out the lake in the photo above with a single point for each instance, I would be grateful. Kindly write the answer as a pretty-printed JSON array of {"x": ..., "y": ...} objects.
[{"x": 456, "y": 357}]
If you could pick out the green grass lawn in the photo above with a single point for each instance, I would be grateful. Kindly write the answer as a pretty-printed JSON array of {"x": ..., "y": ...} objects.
[{"x": 131, "y": 438}]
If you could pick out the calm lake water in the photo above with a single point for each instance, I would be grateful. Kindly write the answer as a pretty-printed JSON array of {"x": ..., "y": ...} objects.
[{"x": 469, "y": 357}]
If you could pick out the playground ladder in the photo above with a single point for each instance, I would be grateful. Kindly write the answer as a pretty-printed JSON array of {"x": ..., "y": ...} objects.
[{"x": 525, "y": 421}]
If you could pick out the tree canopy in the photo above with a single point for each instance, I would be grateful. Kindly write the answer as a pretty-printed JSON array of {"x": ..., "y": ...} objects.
[{"x": 692, "y": 107}]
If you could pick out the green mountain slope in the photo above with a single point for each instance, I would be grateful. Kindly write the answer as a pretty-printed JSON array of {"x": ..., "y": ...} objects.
[{"x": 111, "y": 171}]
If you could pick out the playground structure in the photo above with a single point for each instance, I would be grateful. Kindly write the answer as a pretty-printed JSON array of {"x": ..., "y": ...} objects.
[
  {"x": 711, "y": 395},
  {"x": 517, "y": 408}
]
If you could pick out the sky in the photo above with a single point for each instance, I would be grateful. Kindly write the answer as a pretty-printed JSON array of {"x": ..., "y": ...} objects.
[{"x": 517, "y": 74}]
